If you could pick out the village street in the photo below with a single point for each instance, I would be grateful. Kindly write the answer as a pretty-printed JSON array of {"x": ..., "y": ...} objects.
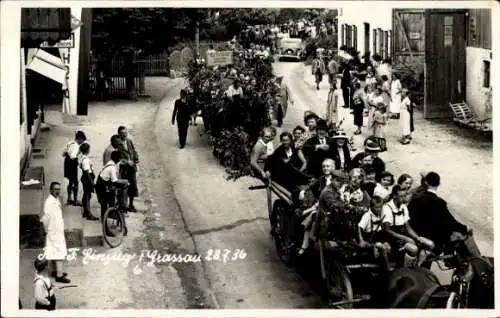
[
  {"x": 188, "y": 207},
  {"x": 222, "y": 215}
]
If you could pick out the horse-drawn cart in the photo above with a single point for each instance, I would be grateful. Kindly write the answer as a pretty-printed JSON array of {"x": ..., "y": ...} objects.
[
  {"x": 351, "y": 274},
  {"x": 339, "y": 261}
]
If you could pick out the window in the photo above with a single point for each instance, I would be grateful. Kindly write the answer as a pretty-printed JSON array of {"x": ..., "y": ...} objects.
[
  {"x": 343, "y": 35},
  {"x": 355, "y": 37},
  {"x": 486, "y": 74},
  {"x": 374, "y": 50},
  {"x": 349, "y": 36}
]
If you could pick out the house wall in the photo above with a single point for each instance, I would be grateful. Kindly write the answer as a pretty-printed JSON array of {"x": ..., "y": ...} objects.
[
  {"x": 378, "y": 18},
  {"x": 475, "y": 92},
  {"x": 25, "y": 138}
]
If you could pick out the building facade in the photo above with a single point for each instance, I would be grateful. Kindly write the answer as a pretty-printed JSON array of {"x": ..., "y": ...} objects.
[
  {"x": 478, "y": 57},
  {"x": 449, "y": 49},
  {"x": 367, "y": 28}
]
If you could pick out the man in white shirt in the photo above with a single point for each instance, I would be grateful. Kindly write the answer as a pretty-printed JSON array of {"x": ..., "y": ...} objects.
[
  {"x": 70, "y": 154},
  {"x": 55, "y": 241},
  {"x": 106, "y": 182}
]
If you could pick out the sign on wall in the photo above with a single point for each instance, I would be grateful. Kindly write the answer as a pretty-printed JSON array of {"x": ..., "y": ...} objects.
[
  {"x": 220, "y": 58},
  {"x": 63, "y": 44},
  {"x": 414, "y": 35}
]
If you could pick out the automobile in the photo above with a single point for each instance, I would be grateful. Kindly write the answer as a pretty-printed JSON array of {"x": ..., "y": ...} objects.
[{"x": 291, "y": 48}]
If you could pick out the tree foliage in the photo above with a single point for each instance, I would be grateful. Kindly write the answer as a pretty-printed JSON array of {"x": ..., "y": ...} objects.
[{"x": 153, "y": 30}]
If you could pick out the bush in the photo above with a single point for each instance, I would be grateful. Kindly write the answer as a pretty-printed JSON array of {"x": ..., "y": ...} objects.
[{"x": 412, "y": 77}]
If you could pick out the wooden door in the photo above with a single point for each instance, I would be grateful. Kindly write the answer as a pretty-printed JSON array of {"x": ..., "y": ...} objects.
[{"x": 445, "y": 61}]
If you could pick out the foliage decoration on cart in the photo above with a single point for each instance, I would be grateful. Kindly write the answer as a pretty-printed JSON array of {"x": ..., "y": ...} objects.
[{"x": 234, "y": 123}]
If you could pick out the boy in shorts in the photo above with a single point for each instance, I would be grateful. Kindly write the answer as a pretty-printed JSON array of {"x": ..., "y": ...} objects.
[{"x": 370, "y": 231}]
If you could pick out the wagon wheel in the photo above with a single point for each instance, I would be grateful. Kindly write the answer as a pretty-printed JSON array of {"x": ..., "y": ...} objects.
[
  {"x": 338, "y": 285},
  {"x": 281, "y": 231}
]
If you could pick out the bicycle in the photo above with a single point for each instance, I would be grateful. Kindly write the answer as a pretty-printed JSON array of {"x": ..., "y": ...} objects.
[{"x": 114, "y": 227}]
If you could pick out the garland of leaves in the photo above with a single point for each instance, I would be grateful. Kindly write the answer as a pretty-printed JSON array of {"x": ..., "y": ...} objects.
[{"x": 233, "y": 125}]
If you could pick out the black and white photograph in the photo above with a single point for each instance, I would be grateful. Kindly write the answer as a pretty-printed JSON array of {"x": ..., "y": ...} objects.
[{"x": 204, "y": 156}]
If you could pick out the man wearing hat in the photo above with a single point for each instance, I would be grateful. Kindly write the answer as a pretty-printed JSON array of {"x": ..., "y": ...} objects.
[
  {"x": 341, "y": 150},
  {"x": 318, "y": 148},
  {"x": 372, "y": 148}
]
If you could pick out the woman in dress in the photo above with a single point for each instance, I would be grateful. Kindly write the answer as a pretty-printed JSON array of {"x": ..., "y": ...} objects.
[
  {"x": 395, "y": 105},
  {"x": 406, "y": 120},
  {"x": 332, "y": 113}
]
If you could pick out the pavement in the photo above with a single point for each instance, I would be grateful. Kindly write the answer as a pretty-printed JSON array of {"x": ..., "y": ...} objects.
[{"x": 113, "y": 283}]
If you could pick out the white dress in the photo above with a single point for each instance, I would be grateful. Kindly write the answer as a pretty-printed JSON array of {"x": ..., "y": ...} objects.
[
  {"x": 55, "y": 242},
  {"x": 395, "y": 105},
  {"x": 405, "y": 117}
]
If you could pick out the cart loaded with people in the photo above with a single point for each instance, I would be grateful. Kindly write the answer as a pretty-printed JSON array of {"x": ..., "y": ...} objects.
[{"x": 355, "y": 275}]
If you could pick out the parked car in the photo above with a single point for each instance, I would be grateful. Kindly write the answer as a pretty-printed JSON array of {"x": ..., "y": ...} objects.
[{"x": 291, "y": 48}]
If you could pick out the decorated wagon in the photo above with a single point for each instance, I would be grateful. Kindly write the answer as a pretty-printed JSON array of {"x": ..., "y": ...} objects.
[{"x": 346, "y": 267}]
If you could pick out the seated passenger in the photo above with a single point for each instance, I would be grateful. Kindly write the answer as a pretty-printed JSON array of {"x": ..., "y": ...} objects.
[
  {"x": 369, "y": 182},
  {"x": 260, "y": 153},
  {"x": 353, "y": 195},
  {"x": 341, "y": 150},
  {"x": 402, "y": 237},
  {"x": 317, "y": 149},
  {"x": 287, "y": 153},
  {"x": 384, "y": 184},
  {"x": 370, "y": 231},
  {"x": 316, "y": 188}
]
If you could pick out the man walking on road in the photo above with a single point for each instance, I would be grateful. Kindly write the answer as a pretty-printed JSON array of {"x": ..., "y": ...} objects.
[
  {"x": 55, "y": 241},
  {"x": 181, "y": 114}
]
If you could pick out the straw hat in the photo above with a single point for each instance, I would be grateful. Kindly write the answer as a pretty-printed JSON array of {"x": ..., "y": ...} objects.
[
  {"x": 371, "y": 145},
  {"x": 340, "y": 134}
]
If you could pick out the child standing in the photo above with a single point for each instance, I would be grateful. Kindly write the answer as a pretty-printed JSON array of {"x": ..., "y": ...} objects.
[
  {"x": 45, "y": 299},
  {"x": 370, "y": 231},
  {"x": 380, "y": 119},
  {"x": 405, "y": 118}
]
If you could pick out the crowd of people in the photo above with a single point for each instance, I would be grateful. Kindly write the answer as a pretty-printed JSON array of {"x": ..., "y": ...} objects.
[
  {"x": 116, "y": 181},
  {"x": 361, "y": 198},
  {"x": 370, "y": 88},
  {"x": 358, "y": 192}
]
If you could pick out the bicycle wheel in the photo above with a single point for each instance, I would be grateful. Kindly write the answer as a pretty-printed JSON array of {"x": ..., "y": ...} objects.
[{"x": 113, "y": 227}]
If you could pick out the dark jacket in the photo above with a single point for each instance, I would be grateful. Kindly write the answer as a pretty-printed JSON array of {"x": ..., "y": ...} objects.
[
  {"x": 314, "y": 157},
  {"x": 280, "y": 154},
  {"x": 430, "y": 218},
  {"x": 181, "y": 112},
  {"x": 347, "y": 157}
]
